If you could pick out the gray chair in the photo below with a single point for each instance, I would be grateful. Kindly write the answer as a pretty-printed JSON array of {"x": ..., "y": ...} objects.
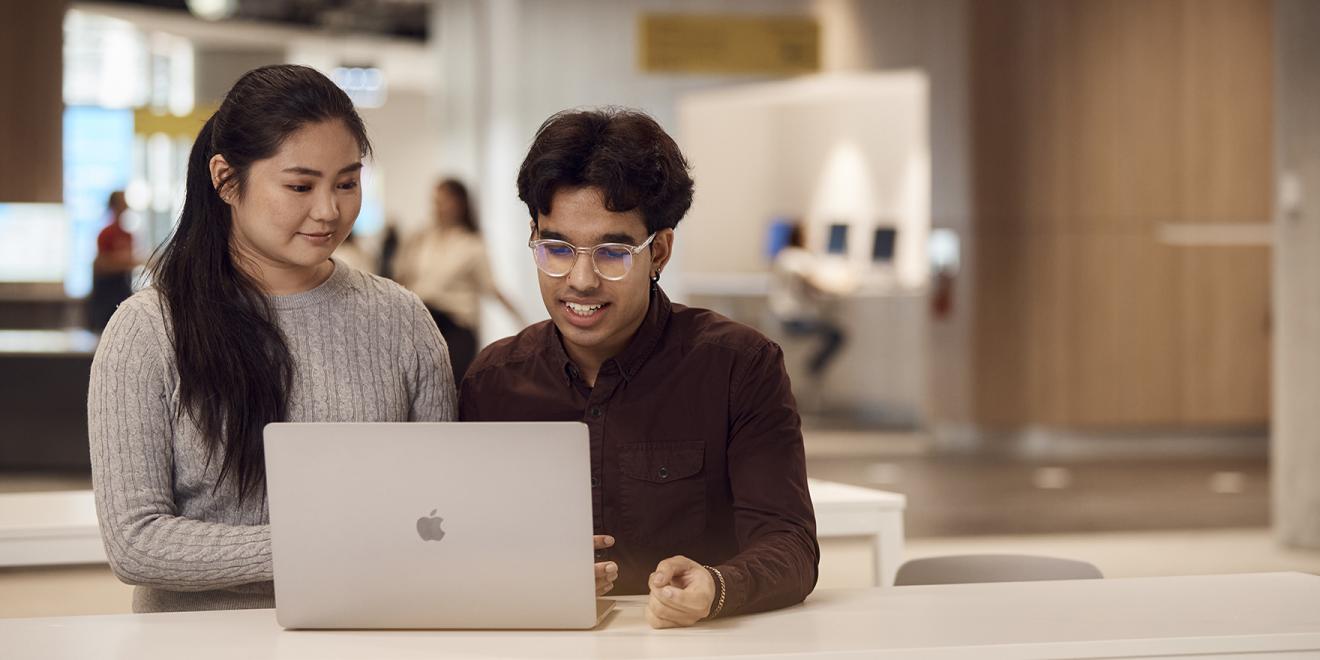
[{"x": 958, "y": 569}]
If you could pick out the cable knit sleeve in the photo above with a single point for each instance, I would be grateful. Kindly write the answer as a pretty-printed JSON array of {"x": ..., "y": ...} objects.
[
  {"x": 434, "y": 396},
  {"x": 131, "y": 426}
]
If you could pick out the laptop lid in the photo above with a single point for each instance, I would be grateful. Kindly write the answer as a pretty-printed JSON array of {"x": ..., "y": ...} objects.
[{"x": 431, "y": 525}]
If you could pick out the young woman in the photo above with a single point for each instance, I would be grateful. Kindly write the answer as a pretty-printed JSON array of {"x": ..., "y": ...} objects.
[
  {"x": 249, "y": 321},
  {"x": 447, "y": 266}
]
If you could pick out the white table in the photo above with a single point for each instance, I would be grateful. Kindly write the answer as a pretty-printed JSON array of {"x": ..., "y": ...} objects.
[
  {"x": 51, "y": 528},
  {"x": 1244, "y": 616},
  {"x": 59, "y": 343},
  {"x": 850, "y": 511}
]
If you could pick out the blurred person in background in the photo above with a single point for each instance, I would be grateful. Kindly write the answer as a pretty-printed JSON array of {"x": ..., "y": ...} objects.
[
  {"x": 698, "y": 475},
  {"x": 448, "y": 268},
  {"x": 248, "y": 321},
  {"x": 799, "y": 297},
  {"x": 112, "y": 270},
  {"x": 389, "y": 250}
]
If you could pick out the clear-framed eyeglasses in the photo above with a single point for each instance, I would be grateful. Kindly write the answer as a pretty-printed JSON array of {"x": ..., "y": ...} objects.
[{"x": 611, "y": 261}]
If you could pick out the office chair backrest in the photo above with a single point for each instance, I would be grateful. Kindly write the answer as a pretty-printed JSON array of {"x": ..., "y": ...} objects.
[{"x": 957, "y": 569}]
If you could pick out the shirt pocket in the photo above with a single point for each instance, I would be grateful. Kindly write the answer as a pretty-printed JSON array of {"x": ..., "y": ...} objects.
[{"x": 662, "y": 494}]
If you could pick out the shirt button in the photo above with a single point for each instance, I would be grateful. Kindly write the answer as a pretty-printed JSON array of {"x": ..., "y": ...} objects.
[
  {"x": 595, "y": 482},
  {"x": 600, "y": 554},
  {"x": 595, "y": 412},
  {"x": 664, "y": 472}
]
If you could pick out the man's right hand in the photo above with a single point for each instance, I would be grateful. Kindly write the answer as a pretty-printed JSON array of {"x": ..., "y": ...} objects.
[{"x": 606, "y": 571}]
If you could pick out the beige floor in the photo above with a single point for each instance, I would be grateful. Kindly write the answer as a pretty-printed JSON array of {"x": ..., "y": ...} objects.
[{"x": 844, "y": 564}]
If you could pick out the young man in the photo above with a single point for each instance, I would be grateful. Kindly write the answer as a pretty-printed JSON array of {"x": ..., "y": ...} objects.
[{"x": 698, "y": 479}]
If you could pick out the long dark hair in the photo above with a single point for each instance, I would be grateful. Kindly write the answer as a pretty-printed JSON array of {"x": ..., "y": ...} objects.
[
  {"x": 467, "y": 217},
  {"x": 235, "y": 370}
]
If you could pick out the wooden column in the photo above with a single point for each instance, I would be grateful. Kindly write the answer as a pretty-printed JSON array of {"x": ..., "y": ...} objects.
[{"x": 31, "y": 101}]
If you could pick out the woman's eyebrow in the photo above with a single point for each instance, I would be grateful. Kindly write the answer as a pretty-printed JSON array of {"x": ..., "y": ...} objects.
[{"x": 299, "y": 169}]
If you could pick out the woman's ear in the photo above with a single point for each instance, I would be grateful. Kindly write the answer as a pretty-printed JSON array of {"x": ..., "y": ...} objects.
[{"x": 220, "y": 175}]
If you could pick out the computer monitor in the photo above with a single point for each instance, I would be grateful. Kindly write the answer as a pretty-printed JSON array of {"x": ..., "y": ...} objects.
[
  {"x": 838, "y": 239},
  {"x": 882, "y": 245},
  {"x": 777, "y": 236}
]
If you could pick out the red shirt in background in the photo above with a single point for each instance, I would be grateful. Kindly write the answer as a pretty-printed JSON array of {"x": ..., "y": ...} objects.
[{"x": 113, "y": 239}]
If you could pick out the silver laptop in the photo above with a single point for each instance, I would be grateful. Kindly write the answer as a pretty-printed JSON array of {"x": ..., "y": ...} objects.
[{"x": 432, "y": 525}]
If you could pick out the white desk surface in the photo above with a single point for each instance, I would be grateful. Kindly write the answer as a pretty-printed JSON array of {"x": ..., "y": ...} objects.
[{"x": 1226, "y": 615}]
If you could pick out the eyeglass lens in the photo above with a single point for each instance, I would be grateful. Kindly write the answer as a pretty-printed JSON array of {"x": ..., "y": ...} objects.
[{"x": 557, "y": 259}]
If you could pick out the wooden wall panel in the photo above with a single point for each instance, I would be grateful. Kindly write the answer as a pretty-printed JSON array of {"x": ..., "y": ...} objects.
[
  {"x": 31, "y": 101},
  {"x": 1226, "y": 133},
  {"x": 1226, "y": 177},
  {"x": 1224, "y": 331},
  {"x": 1126, "y": 372},
  {"x": 1001, "y": 377},
  {"x": 1002, "y": 150},
  {"x": 1096, "y": 123}
]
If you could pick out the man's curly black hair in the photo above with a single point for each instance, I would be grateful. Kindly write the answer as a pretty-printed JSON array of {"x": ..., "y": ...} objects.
[{"x": 622, "y": 152}]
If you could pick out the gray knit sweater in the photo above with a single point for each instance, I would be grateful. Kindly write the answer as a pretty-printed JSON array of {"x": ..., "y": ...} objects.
[{"x": 364, "y": 350}]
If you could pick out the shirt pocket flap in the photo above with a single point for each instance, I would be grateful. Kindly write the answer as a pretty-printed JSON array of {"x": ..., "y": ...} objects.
[{"x": 662, "y": 462}]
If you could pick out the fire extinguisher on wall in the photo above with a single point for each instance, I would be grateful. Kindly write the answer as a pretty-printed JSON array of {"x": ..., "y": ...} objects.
[
  {"x": 941, "y": 295},
  {"x": 945, "y": 260}
]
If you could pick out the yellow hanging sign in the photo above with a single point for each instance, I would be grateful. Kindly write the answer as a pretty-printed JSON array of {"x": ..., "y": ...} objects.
[
  {"x": 728, "y": 44},
  {"x": 147, "y": 122}
]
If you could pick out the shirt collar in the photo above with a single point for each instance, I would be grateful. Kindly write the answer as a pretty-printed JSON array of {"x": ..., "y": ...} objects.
[{"x": 630, "y": 361}]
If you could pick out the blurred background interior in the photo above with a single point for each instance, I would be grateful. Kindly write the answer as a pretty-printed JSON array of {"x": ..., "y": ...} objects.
[{"x": 1050, "y": 269}]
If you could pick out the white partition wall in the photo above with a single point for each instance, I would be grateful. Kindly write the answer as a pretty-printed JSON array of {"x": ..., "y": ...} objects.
[{"x": 830, "y": 150}]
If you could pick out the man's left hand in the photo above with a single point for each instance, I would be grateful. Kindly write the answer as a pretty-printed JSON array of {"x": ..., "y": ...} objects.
[
  {"x": 606, "y": 571},
  {"x": 681, "y": 593}
]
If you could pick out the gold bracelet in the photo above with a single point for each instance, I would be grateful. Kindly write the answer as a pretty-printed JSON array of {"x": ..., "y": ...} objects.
[{"x": 720, "y": 577}]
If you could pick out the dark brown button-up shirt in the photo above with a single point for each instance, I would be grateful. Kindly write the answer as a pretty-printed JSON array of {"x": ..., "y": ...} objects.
[{"x": 696, "y": 447}]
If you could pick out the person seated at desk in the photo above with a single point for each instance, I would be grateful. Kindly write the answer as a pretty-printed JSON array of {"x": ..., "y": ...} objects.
[
  {"x": 249, "y": 321},
  {"x": 799, "y": 293},
  {"x": 698, "y": 477}
]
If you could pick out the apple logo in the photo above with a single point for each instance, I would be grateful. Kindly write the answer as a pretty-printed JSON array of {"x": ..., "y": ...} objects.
[{"x": 429, "y": 527}]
